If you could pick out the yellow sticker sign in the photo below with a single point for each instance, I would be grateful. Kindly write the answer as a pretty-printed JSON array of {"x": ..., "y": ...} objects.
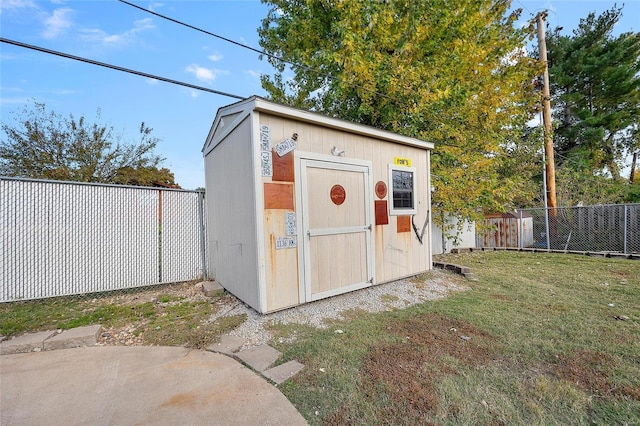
[{"x": 399, "y": 161}]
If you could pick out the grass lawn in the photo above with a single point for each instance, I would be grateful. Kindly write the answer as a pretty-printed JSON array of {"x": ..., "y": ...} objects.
[
  {"x": 538, "y": 339},
  {"x": 168, "y": 319}
]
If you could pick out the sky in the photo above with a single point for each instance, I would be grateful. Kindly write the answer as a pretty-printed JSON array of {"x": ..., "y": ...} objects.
[{"x": 113, "y": 32}]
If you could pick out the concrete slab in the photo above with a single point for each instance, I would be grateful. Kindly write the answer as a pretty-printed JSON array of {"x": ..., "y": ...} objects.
[
  {"x": 259, "y": 357},
  {"x": 211, "y": 288},
  {"x": 74, "y": 338},
  {"x": 227, "y": 345},
  {"x": 283, "y": 372},
  {"x": 118, "y": 385},
  {"x": 25, "y": 343}
]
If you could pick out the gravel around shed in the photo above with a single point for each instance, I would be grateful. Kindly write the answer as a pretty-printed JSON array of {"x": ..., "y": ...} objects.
[{"x": 432, "y": 285}]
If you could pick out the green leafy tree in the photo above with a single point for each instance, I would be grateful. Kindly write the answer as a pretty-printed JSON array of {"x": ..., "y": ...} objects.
[
  {"x": 45, "y": 145},
  {"x": 145, "y": 176},
  {"x": 579, "y": 188},
  {"x": 452, "y": 73},
  {"x": 595, "y": 89}
]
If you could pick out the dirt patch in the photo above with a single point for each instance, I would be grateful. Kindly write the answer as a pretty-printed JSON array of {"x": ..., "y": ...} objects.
[
  {"x": 191, "y": 290},
  {"x": 499, "y": 297},
  {"x": 404, "y": 373},
  {"x": 178, "y": 315},
  {"x": 588, "y": 371}
]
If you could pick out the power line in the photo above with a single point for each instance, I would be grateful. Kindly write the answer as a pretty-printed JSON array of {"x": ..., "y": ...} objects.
[
  {"x": 523, "y": 5},
  {"x": 117, "y": 68},
  {"x": 262, "y": 52},
  {"x": 143, "y": 74},
  {"x": 275, "y": 57}
]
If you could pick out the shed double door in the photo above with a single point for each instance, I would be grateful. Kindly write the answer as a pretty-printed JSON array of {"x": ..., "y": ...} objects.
[{"x": 337, "y": 227}]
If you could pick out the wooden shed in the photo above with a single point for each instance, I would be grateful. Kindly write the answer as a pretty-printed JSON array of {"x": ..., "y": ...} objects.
[
  {"x": 301, "y": 206},
  {"x": 506, "y": 230}
]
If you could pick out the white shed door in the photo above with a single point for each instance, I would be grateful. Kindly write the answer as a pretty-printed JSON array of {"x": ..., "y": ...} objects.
[{"x": 337, "y": 227}]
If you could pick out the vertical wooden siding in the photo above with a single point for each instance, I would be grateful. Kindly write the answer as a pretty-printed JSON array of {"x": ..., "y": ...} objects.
[{"x": 397, "y": 255}]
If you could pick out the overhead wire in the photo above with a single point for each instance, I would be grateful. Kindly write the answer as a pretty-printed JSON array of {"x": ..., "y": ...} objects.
[
  {"x": 261, "y": 52},
  {"x": 291, "y": 63},
  {"x": 118, "y": 68},
  {"x": 277, "y": 58},
  {"x": 192, "y": 86}
]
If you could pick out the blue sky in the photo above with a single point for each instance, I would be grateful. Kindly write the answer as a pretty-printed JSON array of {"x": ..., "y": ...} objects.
[{"x": 112, "y": 32}]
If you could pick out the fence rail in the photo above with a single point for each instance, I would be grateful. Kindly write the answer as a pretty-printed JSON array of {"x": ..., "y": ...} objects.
[
  {"x": 601, "y": 228},
  {"x": 67, "y": 238}
]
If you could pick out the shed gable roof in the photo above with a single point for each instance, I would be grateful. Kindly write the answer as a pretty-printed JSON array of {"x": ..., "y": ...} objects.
[{"x": 237, "y": 112}]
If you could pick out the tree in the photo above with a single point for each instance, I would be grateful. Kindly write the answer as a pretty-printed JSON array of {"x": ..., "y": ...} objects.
[
  {"x": 595, "y": 89},
  {"x": 145, "y": 176},
  {"x": 46, "y": 145},
  {"x": 453, "y": 73},
  {"x": 580, "y": 188}
]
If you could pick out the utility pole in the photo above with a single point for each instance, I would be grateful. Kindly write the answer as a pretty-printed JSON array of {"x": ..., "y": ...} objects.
[
  {"x": 632, "y": 175},
  {"x": 550, "y": 170}
]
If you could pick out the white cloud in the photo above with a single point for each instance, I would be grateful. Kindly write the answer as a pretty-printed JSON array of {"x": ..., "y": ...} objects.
[
  {"x": 10, "y": 102},
  {"x": 154, "y": 6},
  {"x": 63, "y": 91},
  {"x": 194, "y": 93},
  {"x": 152, "y": 81},
  {"x": 16, "y": 4},
  {"x": 204, "y": 74},
  {"x": 128, "y": 36},
  {"x": 142, "y": 24},
  {"x": 201, "y": 73},
  {"x": 253, "y": 73},
  {"x": 57, "y": 22},
  {"x": 215, "y": 57}
]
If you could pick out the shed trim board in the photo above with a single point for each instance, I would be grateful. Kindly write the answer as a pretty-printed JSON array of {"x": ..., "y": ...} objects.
[
  {"x": 240, "y": 113},
  {"x": 259, "y": 212},
  {"x": 300, "y": 225},
  {"x": 429, "y": 213}
]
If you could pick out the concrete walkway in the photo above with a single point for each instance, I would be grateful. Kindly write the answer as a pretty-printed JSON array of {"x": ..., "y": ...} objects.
[
  {"x": 136, "y": 385},
  {"x": 53, "y": 377}
]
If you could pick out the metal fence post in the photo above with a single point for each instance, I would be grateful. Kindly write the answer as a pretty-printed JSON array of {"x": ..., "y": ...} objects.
[
  {"x": 546, "y": 222},
  {"x": 625, "y": 229},
  {"x": 520, "y": 245},
  {"x": 202, "y": 231}
]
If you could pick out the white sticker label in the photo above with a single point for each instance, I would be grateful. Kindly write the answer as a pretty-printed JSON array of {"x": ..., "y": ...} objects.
[
  {"x": 290, "y": 223},
  {"x": 285, "y": 243},
  {"x": 265, "y": 138},
  {"x": 267, "y": 163},
  {"x": 285, "y": 147}
]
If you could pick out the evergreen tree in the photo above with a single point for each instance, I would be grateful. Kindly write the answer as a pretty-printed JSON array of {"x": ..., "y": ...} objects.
[{"x": 595, "y": 89}]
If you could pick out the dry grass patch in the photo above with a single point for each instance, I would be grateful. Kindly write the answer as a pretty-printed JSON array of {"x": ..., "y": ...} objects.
[{"x": 406, "y": 372}]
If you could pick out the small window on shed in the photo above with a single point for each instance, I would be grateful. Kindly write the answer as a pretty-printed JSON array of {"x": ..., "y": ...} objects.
[{"x": 402, "y": 181}]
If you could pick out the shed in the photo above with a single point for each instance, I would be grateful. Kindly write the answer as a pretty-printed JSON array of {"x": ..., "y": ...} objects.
[
  {"x": 457, "y": 233},
  {"x": 301, "y": 206},
  {"x": 506, "y": 230}
]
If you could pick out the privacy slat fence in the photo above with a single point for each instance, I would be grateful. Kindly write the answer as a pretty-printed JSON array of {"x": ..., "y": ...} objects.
[{"x": 62, "y": 238}]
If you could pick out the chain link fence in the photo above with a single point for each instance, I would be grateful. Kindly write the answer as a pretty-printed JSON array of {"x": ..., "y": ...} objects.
[
  {"x": 600, "y": 228},
  {"x": 69, "y": 238}
]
